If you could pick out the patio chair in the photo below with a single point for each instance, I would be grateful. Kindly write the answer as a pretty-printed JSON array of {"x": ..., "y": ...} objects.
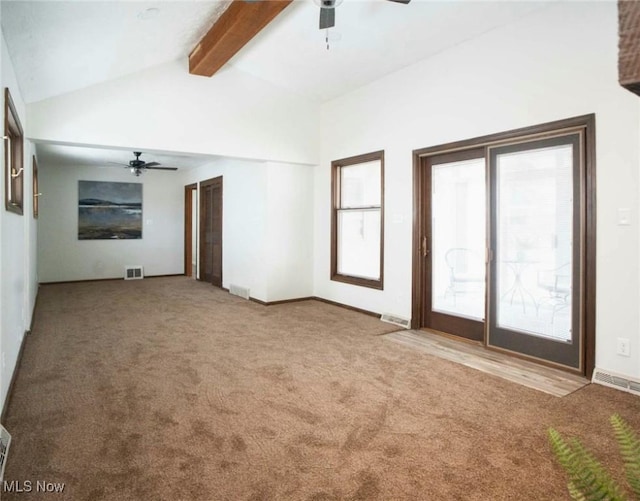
[
  {"x": 557, "y": 284},
  {"x": 466, "y": 271}
]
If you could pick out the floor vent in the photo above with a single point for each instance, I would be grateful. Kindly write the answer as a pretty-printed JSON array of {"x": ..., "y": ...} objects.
[
  {"x": 236, "y": 290},
  {"x": 395, "y": 320},
  {"x": 133, "y": 272},
  {"x": 5, "y": 441},
  {"x": 613, "y": 380}
]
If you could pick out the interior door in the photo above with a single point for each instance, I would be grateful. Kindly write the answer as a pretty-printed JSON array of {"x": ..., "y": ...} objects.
[
  {"x": 535, "y": 292},
  {"x": 211, "y": 231},
  {"x": 455, "y": 244}
]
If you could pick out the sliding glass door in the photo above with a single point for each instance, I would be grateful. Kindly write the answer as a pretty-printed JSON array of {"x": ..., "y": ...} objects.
[
  {"x": 505, "y": 242},
  {"x": 534, "y": 296}
]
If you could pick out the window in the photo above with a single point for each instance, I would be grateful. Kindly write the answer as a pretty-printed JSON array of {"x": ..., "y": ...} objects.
[
  {"x": 13, "y": 170},
  {"x": 357, "y": 221},
  {"x": 35, "y": 187}
]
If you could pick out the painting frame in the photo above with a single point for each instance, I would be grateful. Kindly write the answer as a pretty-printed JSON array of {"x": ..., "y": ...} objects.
[{"x": 109, "y": 210}]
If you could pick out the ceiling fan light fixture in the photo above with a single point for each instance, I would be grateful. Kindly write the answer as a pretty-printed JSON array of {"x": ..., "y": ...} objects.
[
  {"x": 327, "y": 12},
  {"x": 138, "y": 167}
]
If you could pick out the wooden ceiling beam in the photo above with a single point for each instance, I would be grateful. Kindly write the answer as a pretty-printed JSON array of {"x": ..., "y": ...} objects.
[
  {"x": 629, "y": 45},
  {"x": 234, "y": 28}
]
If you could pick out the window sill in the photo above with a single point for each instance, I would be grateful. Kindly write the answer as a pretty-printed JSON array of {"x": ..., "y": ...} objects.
[{"x": 362, "y": 282}]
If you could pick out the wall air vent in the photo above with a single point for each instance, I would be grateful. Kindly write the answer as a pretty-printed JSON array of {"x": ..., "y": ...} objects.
[
  {"x": 613, "y": 380},
  {"x": 5, "y": 441},
  {"x": 236, "y": 290},
  {"x": 395, "y": 320},
  {"x": 133, "y": 273}
]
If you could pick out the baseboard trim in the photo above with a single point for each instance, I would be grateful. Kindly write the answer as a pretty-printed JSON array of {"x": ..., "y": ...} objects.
[
  {"x": 282, "y": 301},
  {"x": 316, "y": 298},
  {"x": 35, "y": 308},
  {"x": 108, "y": 279},
  {"x": 82, "y": 281},
  {"x": 346, "y": 306},
  {"x": 7, "y": 400}
]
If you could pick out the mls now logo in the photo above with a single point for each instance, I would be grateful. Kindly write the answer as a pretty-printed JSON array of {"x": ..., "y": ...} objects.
[{"x": 30, "y": 486}]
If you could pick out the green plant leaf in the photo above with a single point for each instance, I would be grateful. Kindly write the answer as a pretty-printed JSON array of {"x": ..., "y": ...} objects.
[
  {"x": 587, "y": 477},
  {"x": 630, "y": 450},
  {"x": 575, "y": 493}
]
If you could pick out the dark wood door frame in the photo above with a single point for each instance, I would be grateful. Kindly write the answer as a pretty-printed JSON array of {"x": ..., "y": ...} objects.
[
  {"x": 214, "y": 184},
  {"x": 188, "y": 227},
  {"x": 419, "y": 287}
]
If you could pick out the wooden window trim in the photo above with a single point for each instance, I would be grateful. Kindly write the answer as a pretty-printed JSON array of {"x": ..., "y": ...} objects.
[
  {"x": 336, "y": 165},
  {"x": 13, "y": 167}
]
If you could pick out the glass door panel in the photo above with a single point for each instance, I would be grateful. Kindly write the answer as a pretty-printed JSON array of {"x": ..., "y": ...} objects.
[
  {"x": 535, "y": 291},
  {"x": 458, "y": 236}
]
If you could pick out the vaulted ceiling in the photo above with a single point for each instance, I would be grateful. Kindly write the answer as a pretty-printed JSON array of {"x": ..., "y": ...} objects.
[{"x": 60, "y": 46}]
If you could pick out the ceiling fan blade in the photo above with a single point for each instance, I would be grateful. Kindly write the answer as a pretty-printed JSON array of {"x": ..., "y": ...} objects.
[
  {"x": 151, "y": 164},
  {"x": 159, "y": 168},
  {"x": 118, "y": 163},
  {"x": 400, "y": 1},
  {"x": 327, "y": 18}
]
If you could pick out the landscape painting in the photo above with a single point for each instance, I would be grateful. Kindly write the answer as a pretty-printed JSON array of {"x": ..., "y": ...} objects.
[{"x": 109, "y": 211}]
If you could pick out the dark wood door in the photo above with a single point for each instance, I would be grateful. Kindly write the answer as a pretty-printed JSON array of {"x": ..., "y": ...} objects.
[
  {"x": 453, "y": 248},
  {"x": 211, "y": 231}
]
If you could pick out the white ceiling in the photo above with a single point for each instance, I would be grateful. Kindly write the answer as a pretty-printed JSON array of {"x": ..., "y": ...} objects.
[
  {"x": 58, "y": 47},
  {"x": 371, "y": 38},
  {"x": 71, "y": 156},
  {"x": 61, "y": 46}
]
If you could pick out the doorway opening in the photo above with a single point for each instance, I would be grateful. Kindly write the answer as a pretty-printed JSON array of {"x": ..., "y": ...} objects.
[
  {"x": 504, "y": 242},
  {"x": 191, "y": 230}
]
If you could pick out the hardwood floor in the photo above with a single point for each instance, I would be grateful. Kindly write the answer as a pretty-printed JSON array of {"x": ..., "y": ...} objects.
[{"x": 545, "y": 379}]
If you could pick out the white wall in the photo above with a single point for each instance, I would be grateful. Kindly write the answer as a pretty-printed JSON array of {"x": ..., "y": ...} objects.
[
  {"x": 557, "y": 63},
  {"x": 243, "y": 221},
  {"x": 289, "y": 233},
  {"x": 62, "y": 257},
  {"x": 166, "y": 109},
  {"x": 266, "y": 226},
  {"x": 18, "y": 282}
]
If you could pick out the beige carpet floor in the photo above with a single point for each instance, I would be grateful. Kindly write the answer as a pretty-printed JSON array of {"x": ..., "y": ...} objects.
[{"x": 170, "y": 389}]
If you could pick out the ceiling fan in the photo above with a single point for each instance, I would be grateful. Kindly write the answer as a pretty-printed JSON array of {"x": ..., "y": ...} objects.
[
  {"x": 328, "y": 11},
  {"x": 138, "y": 166}
]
